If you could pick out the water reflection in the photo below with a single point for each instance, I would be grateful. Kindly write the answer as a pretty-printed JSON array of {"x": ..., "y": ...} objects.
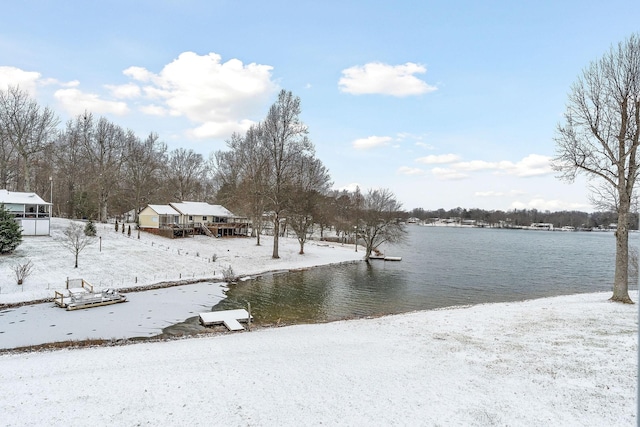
[{"x": 440, "y": 268}]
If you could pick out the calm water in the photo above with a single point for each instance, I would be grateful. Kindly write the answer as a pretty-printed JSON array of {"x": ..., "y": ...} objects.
[{"x": 440, "y": 267}]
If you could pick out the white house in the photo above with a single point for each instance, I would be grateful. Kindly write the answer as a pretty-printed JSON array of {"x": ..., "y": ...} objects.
[
  {"x": 186, "y": 218},
  {"x": 158, "y": 216},
  {"x": 30, "y": 211}
]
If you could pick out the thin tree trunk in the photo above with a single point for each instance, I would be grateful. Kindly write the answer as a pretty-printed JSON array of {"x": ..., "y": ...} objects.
[{"x": 276, "y": 235}]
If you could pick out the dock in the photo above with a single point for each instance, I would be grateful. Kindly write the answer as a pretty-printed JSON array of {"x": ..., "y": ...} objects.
[
  {"x": 80, "y": 294},
  {"x": 79, "y": 298},
  {"x": 386, "y": 258},
  {"x": 229, "y": 318}
]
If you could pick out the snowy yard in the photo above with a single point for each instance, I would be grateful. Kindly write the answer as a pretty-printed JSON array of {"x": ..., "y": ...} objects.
[
  {"x": 116, "y": 260},
  {"x": 569, "y": 360}
]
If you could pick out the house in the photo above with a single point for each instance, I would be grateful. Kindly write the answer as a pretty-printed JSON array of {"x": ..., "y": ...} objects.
[
  {"x": 158, "y": 216},
  {"x": 30, "y": 211},
  {"x": 187, "y": 218}
]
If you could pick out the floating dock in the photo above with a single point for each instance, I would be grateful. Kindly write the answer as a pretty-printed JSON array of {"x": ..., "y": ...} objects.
[
  {"x": 229, "y": 318},
  {"x": 386, "y": 258},
  {"x": 83, "y": 296}
]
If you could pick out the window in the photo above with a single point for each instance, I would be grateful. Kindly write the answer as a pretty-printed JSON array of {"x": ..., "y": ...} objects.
[
  {"x": 204, "y": 218},
  {"x": 190, "y": 218}
]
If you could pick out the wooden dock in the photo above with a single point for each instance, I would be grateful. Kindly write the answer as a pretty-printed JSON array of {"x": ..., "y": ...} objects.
[{"x": 229, "y": 318}]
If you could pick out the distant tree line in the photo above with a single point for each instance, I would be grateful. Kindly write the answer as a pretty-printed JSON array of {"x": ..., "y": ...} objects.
[{"x": 526, "y": 217}]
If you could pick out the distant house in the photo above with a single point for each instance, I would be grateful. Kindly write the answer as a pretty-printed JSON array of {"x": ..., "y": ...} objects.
[
  {"x": 158, "y": 216},
  {"x": 186, "y": 218},
  {"x": 29, "y": 210}
]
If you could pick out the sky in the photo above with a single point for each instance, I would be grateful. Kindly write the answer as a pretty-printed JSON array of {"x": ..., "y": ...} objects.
[{"x": 447, "y": 104}]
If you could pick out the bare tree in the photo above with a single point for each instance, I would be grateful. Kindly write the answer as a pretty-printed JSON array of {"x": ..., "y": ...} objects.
[
  {"x": 185, "y": 174},
  {"x": 71, "y": 167},
  {"x": 310, "y": 183},
  {"x": 242, "y": 176},
  {"x": 600, "y": 137},
  {"x": 104, "y": 146},
  {"x": 378, "y": 221},
  {"x": 28, "y": 127},
  {"x": 285, "y": 140},
  {"x": 8, "y": 164},
  {"x": 143, "y": 168},
  {"x": 76, "y": 240}
]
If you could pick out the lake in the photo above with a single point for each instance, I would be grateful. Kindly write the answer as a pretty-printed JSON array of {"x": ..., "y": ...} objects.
[{"x": 440, "y": 267}]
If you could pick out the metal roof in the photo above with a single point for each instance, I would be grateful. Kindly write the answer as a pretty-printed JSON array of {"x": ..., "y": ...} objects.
[
  {"x": 201, "y": 209},
  {"x": 18, "y": 198}
]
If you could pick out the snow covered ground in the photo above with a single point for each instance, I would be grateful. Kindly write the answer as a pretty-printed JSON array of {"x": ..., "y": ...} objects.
[
  {"x": 116, "y": 260},
  {"x": 569, "y": 360}
]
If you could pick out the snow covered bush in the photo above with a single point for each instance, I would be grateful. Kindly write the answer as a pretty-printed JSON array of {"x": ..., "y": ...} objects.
[{"x": 90, "y": 229}]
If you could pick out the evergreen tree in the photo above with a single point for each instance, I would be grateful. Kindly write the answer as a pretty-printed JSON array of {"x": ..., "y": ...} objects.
[
  {"x": 90, "y": 229},
  {"x": 10, "y": 232}
]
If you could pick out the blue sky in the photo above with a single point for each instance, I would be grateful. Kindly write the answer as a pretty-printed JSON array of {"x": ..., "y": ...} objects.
[{"x": 445, "y": 103}]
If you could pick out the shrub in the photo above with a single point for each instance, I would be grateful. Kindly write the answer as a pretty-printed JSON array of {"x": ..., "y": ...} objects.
[
  {"x": 90, "y": 229},
  {"x": 22, "y": 271},
  {"x": 228, "y": 275}
]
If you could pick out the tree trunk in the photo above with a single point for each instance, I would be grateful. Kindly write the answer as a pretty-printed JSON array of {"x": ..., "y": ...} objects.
[
  {"x": 620, "y": 283},
  {"x": 276, "y": 235}
]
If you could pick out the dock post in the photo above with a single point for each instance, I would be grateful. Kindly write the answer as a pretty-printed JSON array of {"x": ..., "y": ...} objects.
[{"x": 249, "y": 318}]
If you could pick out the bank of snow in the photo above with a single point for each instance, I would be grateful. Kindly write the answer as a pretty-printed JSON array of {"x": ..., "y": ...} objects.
[
  {"x": 567, "y": 360},
  {"x": 117, "y": 260}
]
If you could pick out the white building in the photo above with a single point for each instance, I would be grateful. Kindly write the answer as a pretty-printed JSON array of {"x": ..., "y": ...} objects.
[{"x": 30, "y": 211}]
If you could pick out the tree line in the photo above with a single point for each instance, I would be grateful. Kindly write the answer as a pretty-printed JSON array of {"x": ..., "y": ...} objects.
[
  {"x": 525, "y": 217},
  {"x": 93, "y": 168}
]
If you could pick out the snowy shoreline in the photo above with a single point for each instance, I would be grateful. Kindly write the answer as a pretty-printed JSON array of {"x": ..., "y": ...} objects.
[
  {"x": 118, "y": 261},
  {"x": 552, "y": 361},
  {"x": 567, "y": 360}
]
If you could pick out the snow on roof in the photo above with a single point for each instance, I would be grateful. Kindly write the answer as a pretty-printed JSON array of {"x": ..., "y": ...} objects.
[
  {"x": 15, "y": 197},
  {"x": 164, "y": 210},
  {"x": 201, "y": 208}
]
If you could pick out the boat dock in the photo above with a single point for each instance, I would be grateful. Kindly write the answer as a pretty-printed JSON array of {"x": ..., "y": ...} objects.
[
  {"x": 386, "y": 258},
  {"x": 83, "y": 296},
  {"x": 229, "y": 318}
]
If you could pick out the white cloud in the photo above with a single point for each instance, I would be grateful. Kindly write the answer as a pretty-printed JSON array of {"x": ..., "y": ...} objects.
[
  {"x": 550, "y": 205},
  {"x": 448, "y": 174},
  {"x": 138, "y": 73},
  {"x": 25, "y": 80},
  {"x": 126, "y": 91},
  {"x": 424, "y": 145},
  {"x": 371, "y": 142},
  {"x": 379, "y": 78},
  {"x": 511, "y": 193},
  {"x": 350, "y": 187},
  {"x": 76, "y": 102},
  {"x": 219, "y": 128},
  {"x": 218, "y": 97},
  {"x": 531, "y": 165},
  {"x": 154, "y": 110},
  {"x": 438, "y": 159},
  {"x": 406, "y": 170}
]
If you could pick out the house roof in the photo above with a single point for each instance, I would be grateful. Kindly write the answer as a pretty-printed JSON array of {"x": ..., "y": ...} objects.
[
  {"x": 201, "y": 209},
  {"x": 164, "y": 210},
  {"x": 18, "y": 198}
]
